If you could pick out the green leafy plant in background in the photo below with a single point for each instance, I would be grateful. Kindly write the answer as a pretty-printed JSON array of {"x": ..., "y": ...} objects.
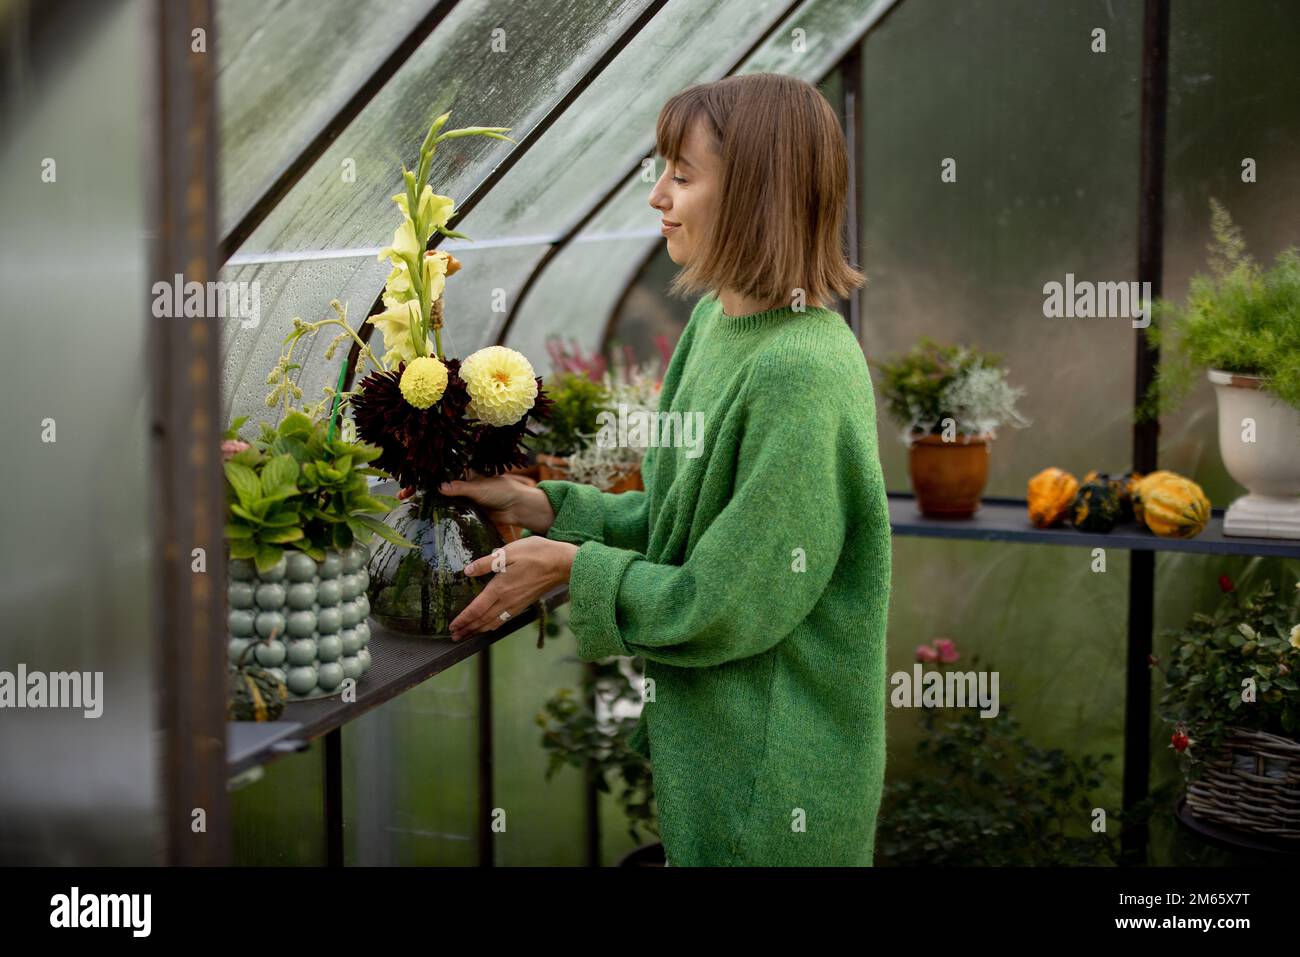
[
  {"x": 575, "y": 736},
  {"x": 935, "y": 381},
  {"x": 298, "y": 487},
  {"x": 1237, "y": 318},
  {"x": 577, "y": 401},
  {"x": 987, "y": 795},
  {"x": 1254, "y": 636}
]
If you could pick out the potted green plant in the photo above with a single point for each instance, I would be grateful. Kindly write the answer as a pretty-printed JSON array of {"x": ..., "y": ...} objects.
[
  {"x": 605, "y": 461},
  {"x": 1241, "y": 324},
  {"x": 300, "y": 518},
  {"x": 1230, "y": 697},
  {"x": 950, "y": 400},
  {"x": 590, "y": 729},
  {"x": 576, "y": 401}
]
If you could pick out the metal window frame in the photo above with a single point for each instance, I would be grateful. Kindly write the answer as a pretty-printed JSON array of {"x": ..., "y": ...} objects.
[{"x": 188, "y": 606}]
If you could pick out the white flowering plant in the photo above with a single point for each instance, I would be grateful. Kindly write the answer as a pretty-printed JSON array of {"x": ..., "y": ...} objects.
[
  {"x": 934, "y": 384},
  {"x": 602, "y": 461}
]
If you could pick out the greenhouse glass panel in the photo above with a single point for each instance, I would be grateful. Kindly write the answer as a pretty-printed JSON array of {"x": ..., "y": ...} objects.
[
  {"x": 490, "y": 64},
  {"x": 806, "y": 44},
  {"x": 79, "y": 785},
  {"x": 321, "y": 241},
  {"x": 1231, "y": 98},
  {"x": 611, "y": 126},
  {"x": 1043, "y": 136},
  {"x": 284, "y": 72}
]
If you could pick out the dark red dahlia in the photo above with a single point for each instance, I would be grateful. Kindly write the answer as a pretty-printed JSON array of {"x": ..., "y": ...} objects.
[
  {"x": 422, "y": 448},
  {"x": 497, "y": 449}
]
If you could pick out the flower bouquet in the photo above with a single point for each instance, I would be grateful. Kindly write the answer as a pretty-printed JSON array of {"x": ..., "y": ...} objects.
[{"x": 435, "y": 419}]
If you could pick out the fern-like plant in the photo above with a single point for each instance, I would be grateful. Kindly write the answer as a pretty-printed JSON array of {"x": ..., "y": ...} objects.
[{"x": 1238, "y": 318}]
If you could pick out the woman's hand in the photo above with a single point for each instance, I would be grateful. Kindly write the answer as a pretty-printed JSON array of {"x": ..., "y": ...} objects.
[
  {"x": 525, "y": 571},
  {"x": 507, "y": 500}
]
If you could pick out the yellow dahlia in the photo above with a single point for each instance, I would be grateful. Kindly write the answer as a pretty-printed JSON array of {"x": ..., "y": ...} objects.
[
  {"x": 501, "y": 384},
  {"x": 424, "y": 381}
]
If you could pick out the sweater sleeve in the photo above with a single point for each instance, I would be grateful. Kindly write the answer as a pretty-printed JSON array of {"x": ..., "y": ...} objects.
[
  {"x": 583, "y": 513},
  {"x": 765, "y": 560}
]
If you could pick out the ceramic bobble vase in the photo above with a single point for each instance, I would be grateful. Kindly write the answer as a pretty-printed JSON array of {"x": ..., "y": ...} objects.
[
  {"x": 308, "y": 617},
  {"x": 421, "y": 590}
]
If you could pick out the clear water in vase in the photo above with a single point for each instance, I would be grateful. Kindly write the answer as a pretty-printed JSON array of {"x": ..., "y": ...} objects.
[{"x": 421, "y": 590}]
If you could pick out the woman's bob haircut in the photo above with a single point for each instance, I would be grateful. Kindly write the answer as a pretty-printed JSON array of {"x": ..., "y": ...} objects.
[{"x": 785, "y": 174}]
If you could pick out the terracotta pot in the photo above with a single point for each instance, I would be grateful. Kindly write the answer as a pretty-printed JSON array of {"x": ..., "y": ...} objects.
[
  {"x": 629, "y": 481},
  {"x": 551, "y": 467},
  {"x": 948, "y": 478},
  {"x": 526, "y": 471}
]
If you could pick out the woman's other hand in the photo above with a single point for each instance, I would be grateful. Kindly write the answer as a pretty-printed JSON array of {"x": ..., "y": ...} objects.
[{"x": 525, "y": 571}]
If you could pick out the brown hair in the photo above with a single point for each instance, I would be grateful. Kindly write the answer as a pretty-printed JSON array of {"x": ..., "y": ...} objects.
[{"x": 785, "y": 176}]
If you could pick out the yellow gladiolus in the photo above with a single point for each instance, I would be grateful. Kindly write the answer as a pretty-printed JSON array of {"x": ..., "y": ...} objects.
[
  {"x": 395, "y": 324},
  {"x": 405, "y": 245},
  {"x": 433, "y": 213}
]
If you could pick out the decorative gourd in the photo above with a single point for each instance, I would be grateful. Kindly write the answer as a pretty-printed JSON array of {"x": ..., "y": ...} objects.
[
  {"x": 1174, "y": 507},
  {"x": 1122, "y": 485},
  {"x": 256, "y": 694},
  {"x": 1140, "y": 483},
  {"x": 1051, "y": 493},
  {"x": 1096, "y": 506}
]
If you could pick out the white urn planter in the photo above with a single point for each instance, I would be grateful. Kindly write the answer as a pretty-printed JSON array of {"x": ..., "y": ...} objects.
[{"x": 1269, "y": 466}]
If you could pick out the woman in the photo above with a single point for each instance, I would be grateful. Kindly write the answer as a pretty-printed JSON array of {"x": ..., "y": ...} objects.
[{"x": 753, "y": 578}]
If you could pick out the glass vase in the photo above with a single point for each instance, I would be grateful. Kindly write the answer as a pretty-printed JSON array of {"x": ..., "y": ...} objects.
[{"x": 421, "y": 590}]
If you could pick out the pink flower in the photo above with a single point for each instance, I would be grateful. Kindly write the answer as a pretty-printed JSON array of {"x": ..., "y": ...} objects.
[
  {"x": 946, "y": 649},
  {"x": 926, "y": 653},
  {"x": 232, "y": 447}
]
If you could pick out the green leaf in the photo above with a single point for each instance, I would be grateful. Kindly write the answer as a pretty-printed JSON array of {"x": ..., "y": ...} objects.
[
  {"x": 280, "y": 536},
  {"x": 342, "y": 536},
  {"x": 280, "y": 519},
  {"x": 315, "y": 551},
  {"x": 493, "y": 131},
  {"x": 383, "y": 531},
  {"x": 244, "y": 513},
  {"x": 381, "y": 504},
  {"x": 244, "y": 481},
  {"x": 451, "y": 233},
  {"x": 296, "y": 423},
  {"x": 235, "y": 426},
  {"x": 279, "y": 474},
  {"x": 243, "y": 548},
  {"x": 267, "y": 556},
  {"x": 234, "y": 531}
]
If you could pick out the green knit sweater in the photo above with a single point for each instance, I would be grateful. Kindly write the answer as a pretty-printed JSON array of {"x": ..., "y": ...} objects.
[{"x": 752, "y": 576}]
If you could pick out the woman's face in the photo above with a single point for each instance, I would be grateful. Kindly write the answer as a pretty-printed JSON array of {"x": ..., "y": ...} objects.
[{"x": 686, "y": 194}]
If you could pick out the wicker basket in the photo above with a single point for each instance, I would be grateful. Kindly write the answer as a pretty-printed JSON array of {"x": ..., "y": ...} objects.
[{"x": 1253, "y": 784}]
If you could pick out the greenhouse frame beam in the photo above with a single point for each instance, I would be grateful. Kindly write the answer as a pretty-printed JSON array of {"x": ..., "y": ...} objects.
[
  {"x": 189, "y": 635},
  {"x": 526, "y": 143},
  {"x": 297, "y": 167},
  {"x": 1142, "y": 567}
]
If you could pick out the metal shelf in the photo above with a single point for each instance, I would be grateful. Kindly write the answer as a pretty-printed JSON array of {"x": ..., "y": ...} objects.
[
  {"x": 399, "y": 662},
  {"x": 1007, "y": 520}
]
